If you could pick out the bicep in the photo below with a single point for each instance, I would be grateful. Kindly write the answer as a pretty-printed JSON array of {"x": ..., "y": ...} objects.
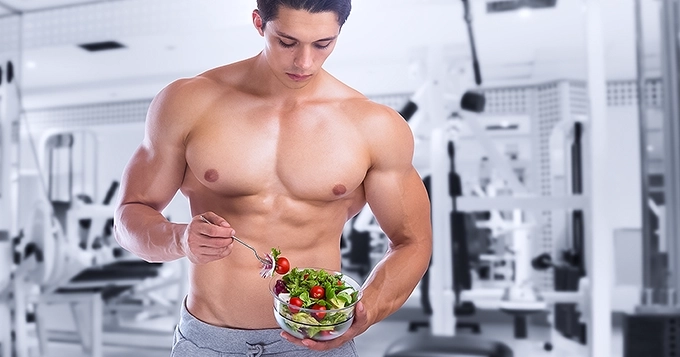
[
  {"x": 399, "y": 203},
  {"x": 153, "y": 175}
]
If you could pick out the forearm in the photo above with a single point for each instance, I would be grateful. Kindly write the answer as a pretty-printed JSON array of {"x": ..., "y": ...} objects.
[
  {"x": 147, "y": 234},
  {"x": 394, "y": 278}
]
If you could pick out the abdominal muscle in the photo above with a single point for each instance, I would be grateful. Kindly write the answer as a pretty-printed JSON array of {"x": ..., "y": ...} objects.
[
  {"x": 302, "y": 216},
  {"x": 231, "y": 293}
]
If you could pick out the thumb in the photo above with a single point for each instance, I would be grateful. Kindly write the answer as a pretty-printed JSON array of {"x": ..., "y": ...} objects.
[{"x": 361, "y": 314}]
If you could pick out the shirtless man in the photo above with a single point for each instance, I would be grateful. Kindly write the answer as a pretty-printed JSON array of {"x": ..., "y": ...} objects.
[{"x": 276, "y": 151}]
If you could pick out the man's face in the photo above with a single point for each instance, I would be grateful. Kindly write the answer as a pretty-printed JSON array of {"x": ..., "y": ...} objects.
[{"x": 297, "y": 44}]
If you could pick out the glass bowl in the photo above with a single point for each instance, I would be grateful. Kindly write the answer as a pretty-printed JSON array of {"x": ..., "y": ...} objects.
[{"x": 315, "y": 324}]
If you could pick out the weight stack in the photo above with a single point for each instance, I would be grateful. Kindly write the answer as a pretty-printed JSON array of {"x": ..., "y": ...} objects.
[
  {"x": 567, "y": 320},
  {"x": 651, "y": 335}
]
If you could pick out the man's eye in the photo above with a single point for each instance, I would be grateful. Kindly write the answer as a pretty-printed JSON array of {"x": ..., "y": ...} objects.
[
  {"x": 321, "y": 47},
  {"x": 286, "y": 45}
]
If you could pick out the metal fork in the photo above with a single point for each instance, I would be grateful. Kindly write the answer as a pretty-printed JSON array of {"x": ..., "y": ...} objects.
[{"x": 262, "y": 260}]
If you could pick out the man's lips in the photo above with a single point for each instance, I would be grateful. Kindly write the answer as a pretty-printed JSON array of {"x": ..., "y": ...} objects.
[{"x": 298, "y": 77}]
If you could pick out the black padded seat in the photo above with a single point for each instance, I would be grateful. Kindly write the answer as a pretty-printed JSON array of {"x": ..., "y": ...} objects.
[
  {"x": 124, "y": 270},
  {"x": 426, "y": 345},
  {"x": 112, "y": 279}
]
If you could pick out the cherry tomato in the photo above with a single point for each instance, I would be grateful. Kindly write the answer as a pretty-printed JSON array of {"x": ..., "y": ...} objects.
[
  {"x": 325, "y": 332},
  {"x": 295, "y": 301},
  {"x": 319, "y": 315},
  {"x": 282, "y": 265},
  {"x": 317, "y": 292}
]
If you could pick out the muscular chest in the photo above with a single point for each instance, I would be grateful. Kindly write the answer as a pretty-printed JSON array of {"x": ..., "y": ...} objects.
[{"x": 311, "y": 156}]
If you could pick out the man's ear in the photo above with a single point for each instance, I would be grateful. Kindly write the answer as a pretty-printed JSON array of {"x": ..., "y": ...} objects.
[{"x": 257, "y": 21}]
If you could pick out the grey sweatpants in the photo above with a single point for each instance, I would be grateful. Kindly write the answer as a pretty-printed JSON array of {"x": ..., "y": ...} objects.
[{"x": 195, "y": 338}]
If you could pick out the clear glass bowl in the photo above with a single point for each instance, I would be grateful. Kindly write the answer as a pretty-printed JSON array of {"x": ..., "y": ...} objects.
[{"x": 297, "y": 321}]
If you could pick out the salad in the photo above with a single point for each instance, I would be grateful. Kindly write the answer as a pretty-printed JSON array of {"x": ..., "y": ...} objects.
[
  {"x": 315, "y": 301},
  {"x": 275, "y": 263}
]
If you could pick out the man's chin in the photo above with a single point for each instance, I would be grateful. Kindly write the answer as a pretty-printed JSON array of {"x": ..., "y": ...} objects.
[{"x": 295, "y": 85}]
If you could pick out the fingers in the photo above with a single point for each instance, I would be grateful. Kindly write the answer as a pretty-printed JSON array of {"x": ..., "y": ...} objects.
[
  {"x": 215, "y": 219},
  {"x": 206, "y": 241},
  {"x": 359, "y": 325},
  {"x": 317, "y": 345},
  {"x": 215, "y": 226}
]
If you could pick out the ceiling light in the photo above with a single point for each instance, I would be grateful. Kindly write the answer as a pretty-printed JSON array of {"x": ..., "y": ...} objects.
[
  {"x": 493, "y": 6},
  {"x": 101, "y": 46}
]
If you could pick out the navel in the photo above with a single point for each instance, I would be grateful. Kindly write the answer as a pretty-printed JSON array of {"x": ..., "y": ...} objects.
[
  {"x": 211, "y": 175},
  {"x": 339, "y": 190}
]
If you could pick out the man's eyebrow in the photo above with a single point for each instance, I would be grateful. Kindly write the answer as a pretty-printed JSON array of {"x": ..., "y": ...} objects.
[{"x": 281, "y": 34}]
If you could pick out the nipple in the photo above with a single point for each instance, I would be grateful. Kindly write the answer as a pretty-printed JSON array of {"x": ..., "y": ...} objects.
[
  {"x": 339, "y": 190},
  {"x": 211, "y": 175}
]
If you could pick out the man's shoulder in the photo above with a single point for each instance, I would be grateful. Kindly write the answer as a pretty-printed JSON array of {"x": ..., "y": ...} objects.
[
  {"x": 353, "y": 101},
  {"x": 368, "y": 110},
  {"x": 199, "y": 86},
  {"x": 182, "y": 101},
  {"x": 194, "y": 93}
]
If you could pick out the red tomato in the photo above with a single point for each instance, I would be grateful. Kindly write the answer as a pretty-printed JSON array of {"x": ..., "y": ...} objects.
[
  {"x": 282, "y": 265},
  {"x": 295, "y": 301},
  {"x": 318, "y": 315},
  {"x": 325, "y": 332},
  {"x": 317, "y": 292}
]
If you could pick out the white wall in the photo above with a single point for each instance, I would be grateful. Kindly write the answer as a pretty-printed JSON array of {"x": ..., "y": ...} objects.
[{"x": 624, "y": 167}]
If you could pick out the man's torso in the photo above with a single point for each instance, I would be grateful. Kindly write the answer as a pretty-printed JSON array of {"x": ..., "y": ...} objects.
[{"x": 283, "y": 175}]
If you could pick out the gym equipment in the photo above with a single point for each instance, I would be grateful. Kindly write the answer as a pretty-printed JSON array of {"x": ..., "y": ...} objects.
[
  {"x": 654, "y": 327},
  {"x": 365, "y": 243},
  {"x": 445, "y": 279},
  {"x": 651, "y": 334},
  {"x": 67, "y": 251},
  {"x": 357, "y": 257},
  {"x": 9, "y": 154},
  {"x": 473, "y": 49},
  {"x": 449, "y": 273}
]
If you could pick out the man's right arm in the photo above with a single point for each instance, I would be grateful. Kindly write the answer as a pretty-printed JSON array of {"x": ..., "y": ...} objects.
[{"x": 155, "y": 173}]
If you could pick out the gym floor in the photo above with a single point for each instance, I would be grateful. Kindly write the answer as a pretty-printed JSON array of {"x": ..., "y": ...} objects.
[{"x": 373, "y": 343}]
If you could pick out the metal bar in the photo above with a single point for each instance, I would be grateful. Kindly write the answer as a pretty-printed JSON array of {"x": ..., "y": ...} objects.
[
  {"x": 671, "y": 135},
  {"x": 97, "y": 312},
  {"x": 443, "y": 319},
  {"x": 475, "y": 204},
  {"x": 11, "y": 9},
  {"x": 599, "y": 237},
  {"x": 473, "y": 48},
  {"x": 642, "y": 122}
]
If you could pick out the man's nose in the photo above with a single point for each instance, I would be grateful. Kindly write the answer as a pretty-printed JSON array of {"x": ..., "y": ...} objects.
[{"x": 303, "y": 58}]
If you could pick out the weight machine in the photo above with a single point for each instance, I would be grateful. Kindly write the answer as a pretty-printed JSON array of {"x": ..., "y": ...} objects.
[
  {"x": 9, "y": 118},
  {"x": 57, "y": 248},
  {"x": 520, "y": 299}
]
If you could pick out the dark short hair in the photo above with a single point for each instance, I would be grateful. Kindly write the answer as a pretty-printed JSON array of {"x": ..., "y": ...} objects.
[{"x": 269, "y": 9}]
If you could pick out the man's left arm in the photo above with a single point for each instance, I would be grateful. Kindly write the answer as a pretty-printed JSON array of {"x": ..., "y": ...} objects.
[{"x": 399, "y": 201}]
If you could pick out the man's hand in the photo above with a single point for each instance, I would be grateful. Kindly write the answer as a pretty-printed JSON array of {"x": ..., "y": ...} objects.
[
  {"x": 359, "y": 325},
  {"x": 204, "y": 242}
]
